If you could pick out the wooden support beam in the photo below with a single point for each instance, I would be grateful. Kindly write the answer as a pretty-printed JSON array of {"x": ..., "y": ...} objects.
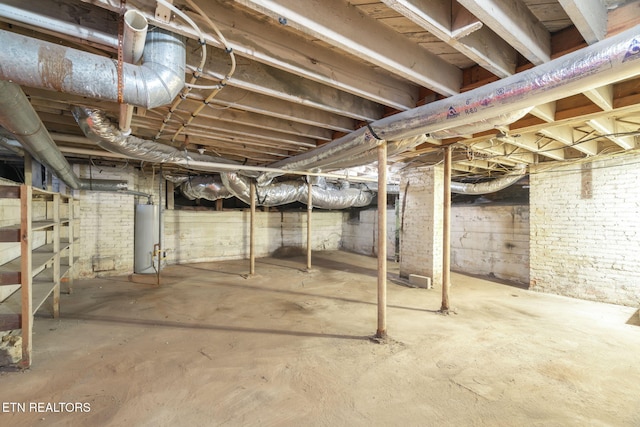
[
  {"x": 381, "y": 333},
  {"x": 309, "y": 211},
  {"x": 446, "y": 233},
  {"x": 252, "y": 231},
  {"x": 26, "y": 288}
]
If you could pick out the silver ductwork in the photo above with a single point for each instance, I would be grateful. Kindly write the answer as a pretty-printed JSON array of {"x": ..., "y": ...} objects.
[
  {"x": 204, "y": 187},
  {"x": 600, "y": 64},
  {"x": 323, "y": 195},
  {"x": 99, "y": 129},
  {"x": 39, "y": 64},
  {"x": 492, "y": 186},
  {"x": 18, "y": 117}
]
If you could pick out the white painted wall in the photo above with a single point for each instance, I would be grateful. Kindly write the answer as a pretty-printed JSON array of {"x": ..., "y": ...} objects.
[
  {"x": 360, "y": 233},
  {"x": 491, "y": 240},
  {"x": 585, "y": 231},
  {"x": 421, "y": 204},
  {"x": 107, "y": 224},
  {"x": 198, "y": 236}
]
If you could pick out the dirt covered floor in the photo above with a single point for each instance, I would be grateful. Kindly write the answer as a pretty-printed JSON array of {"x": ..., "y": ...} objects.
[{"x": 287, "y": 347}]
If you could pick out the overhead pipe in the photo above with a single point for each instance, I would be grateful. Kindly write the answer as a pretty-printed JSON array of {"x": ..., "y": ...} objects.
[
  {"x": 492, "y": 186},
  {"x": 324, "y": 196},
  {"x": 18, "y": 117},
  {"x": 204, "y": 187},
  {"x": 40, "y": 64},
  {"x": 99, "y": 129},
  {"x": 133, "y": 41},
  {"x": 600, "y": 64}
]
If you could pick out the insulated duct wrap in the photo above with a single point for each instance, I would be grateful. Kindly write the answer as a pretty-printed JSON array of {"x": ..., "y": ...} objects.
[
  {"x": 490, "y": 186},
  {"x": 99, "y": 129},
  {"x": 39, "y": 64},
  {"x": 600, "y": 64},
  {"x": 280, "y": 193},
  {"x": 204, "y": 187},
  {"x": 471, "y": 128}
]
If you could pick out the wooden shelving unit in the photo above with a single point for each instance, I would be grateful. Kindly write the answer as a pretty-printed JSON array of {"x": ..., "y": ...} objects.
[{"x": 46, "y": 238}]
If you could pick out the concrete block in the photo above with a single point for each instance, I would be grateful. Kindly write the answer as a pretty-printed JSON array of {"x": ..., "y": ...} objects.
[{"x": 420, "y": 281}]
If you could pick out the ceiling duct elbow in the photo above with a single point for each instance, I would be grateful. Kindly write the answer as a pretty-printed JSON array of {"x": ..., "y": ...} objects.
[
  {"x": 39, "y": 64},
  {"x": 489, "y": 186}
]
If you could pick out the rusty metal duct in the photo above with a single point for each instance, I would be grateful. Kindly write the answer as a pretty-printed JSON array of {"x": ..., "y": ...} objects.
[
  {"x": 39, "y": 64},
  {"x": 600, "y": 64}
]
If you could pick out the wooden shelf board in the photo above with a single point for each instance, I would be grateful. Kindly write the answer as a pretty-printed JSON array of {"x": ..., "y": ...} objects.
[
  {"x": 42, "y": 224},
  {"x": 9, "y": 192}
]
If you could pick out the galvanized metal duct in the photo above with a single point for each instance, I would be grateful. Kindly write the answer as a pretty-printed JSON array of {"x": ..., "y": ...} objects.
[
  {"x": 35, "y": 63},
  {"x": 18, "y": 117},
  {"x": 602, "y": 63},
  {"x": 323, "y": 195},
  {"x": 490, "y": 186}
]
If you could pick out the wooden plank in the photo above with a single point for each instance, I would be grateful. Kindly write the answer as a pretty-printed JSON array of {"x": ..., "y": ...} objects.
[
  {"x": 589, "y": 17},
  {"x": 10, "y": 278},
  {"x": 42, "y": 225},
  {"x": 10, "y": 234},
  {"x": 516, "y": 24},
  {"x": 41, "y": 292},
  {"x": 10, "y": 321},
  {"x": 25, "y": 267},
  {"x": 346, "y": 28},
  {"x": 9, "y": 192}
]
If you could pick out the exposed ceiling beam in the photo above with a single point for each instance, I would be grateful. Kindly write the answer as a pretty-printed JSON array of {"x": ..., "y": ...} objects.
[
  {"x": 552, "y": 149},
  {"x": 462, "y": 31},
  {"x": 513, "y": 21},
  {"x": 246, "y": 36},
  {"x": 565, "y": 134},
  {"x": 263, "y": 104},
  {"x": 602, "y": 97},
  {"x": 589, "y": 17},
  {"x": 342, "y": 25},
  {"x": 609, "y": 129},
  {"x": 260, "y": 78}
]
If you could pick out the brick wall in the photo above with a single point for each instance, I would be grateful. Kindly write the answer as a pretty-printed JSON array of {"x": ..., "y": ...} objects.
[
  {"x": 360, "y": 232},
  {"x": 196, "y": 236},
  {"x": 106, "y": 221},
  {"x": 491, "y": 240},
  {"x": 421, "y": 201},
  {"x": 585, "y": 232}
]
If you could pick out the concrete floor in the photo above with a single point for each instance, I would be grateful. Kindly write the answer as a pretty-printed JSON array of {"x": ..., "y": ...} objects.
[{"x": 287, "y": 347}]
